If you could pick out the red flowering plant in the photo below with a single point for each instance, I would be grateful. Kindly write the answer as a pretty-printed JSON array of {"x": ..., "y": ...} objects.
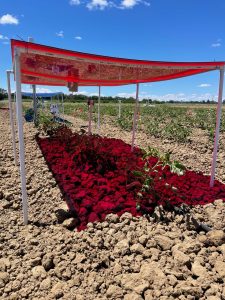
[{"x": 99, "y": 175}]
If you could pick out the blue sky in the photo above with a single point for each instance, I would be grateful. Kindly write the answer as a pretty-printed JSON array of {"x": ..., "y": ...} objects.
[{"x": 170, "y": 30}]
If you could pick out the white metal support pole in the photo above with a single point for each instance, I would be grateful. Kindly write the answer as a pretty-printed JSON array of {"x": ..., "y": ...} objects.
[
  {"x": 63, "y": 105},
  {"x": 20, "y": 135},
  {"x": 99, "y": 98},
  {"x": 119, "y": 109},
  {"x": 135, "y": 118},
  {"x": 15, "y": 107},
  {"x": 11, "y": 117},
  {"x": 58, "y": 104},
  {"x": 31, "y": 40},
  {"x": 34, "y": 103},
  {"x": 218, "y": 119},
  {"x": 90, "y": 116}
]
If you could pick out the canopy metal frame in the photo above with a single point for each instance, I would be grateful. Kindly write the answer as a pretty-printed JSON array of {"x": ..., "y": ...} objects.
[{"x": 17, "y": 75}]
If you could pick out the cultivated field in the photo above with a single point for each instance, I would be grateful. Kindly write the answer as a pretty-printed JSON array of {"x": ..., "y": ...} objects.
[
  {"x": 187, "y": 130},
  {"x": 158, "y": 256}
]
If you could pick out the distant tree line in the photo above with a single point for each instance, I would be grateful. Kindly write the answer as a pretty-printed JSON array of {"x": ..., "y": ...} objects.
[
  {"x": 3, "y": 94},
  {"x": 107, "y": 99}
]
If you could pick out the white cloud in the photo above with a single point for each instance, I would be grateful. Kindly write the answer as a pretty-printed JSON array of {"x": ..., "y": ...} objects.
[
  {"x": 129, "y": 3},
  {"x": 216, "y": 45},
  {"x": 9, "y": 19},
  {"x": 167, "y": 97},
  {"x": 204, "y": 85},
  {"x": 126, "y": 95},
  {"x": 102, "y": 4},
  {"x": 44, "y": 90},
  {"x": 146, "y": 3},
  {"x": 2, "y": 37},
  {"x": 74, "y": 2},
  {"x": 85, "y": 93},
  {"x": 78, "y": 38},
  {"x": 38, "y": 90},
  {"x": 97, "y": 4},
  {"x": 60, "y": 33}
]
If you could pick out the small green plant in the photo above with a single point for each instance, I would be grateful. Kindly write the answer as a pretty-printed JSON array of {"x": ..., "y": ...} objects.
[
  {"x": 163, "y": 160},
  {"x": 47, "y": 124},
  {"x": 125, "y": 123},
  {"x": 150, "y": 174},
  {"x": 177, "y": 132}
]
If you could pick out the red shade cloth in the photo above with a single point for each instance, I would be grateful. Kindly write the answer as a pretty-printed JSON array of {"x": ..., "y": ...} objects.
[{"x": 44, "y": 65}]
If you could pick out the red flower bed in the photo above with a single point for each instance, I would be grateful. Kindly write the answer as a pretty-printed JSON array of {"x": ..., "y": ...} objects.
[{"x": 96, "y": 177}]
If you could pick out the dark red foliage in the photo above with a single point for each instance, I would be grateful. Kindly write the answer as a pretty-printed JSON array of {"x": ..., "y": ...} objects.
[{"x": 96, "y": 178}]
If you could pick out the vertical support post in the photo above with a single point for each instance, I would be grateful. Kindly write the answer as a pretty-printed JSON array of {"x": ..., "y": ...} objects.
[
  {"x": 119, "y": 109},
  {"x": 62, "y": 105},
  {"x": 31, "y": 40},
  {"x": 34, "y": 104},
  {"x": 135, "y": 118},
  {"x": 218, "y": 119},
  {"x": 15, "y": 107},
  {"x": 99, "y": 98},
  {"x": 11, "y": 117},
  {"x": 58, "y": 104},
  {"x": 90, "y": 116},
  {"x": 20, "y": 135}
]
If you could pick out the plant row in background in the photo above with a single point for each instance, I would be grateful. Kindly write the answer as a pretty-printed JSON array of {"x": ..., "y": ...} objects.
[
  {"x": 98, "y": 176},
  {"x": 164, "y": 121}
]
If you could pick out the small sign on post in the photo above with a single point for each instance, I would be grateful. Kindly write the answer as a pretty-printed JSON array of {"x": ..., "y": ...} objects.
[{"x": 54, "y": 109}]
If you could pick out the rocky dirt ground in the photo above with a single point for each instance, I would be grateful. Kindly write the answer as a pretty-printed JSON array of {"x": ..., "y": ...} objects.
[{"x": 122, "y": 258}]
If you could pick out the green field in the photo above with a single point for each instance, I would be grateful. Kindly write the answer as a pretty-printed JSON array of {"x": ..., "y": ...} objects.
[{"x": 167, "y": 121}]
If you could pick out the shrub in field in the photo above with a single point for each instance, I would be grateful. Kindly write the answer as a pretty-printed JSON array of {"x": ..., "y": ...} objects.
[
  {"x": 177, "y": 132},
  {"x": 48, "y": 126},
  {"x": 125, "y": 122},
  {"x": 154, "y": 129}
]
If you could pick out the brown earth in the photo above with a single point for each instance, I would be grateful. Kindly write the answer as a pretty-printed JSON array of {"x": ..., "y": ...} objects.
[{"x": 122, "y": 258}]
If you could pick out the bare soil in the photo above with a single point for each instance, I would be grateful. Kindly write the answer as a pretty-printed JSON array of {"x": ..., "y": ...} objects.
[{"x": 122, "y": 258}]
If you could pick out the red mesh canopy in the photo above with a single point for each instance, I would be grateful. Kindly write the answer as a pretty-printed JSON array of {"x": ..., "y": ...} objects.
[{"x": 44, "y": 65}]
